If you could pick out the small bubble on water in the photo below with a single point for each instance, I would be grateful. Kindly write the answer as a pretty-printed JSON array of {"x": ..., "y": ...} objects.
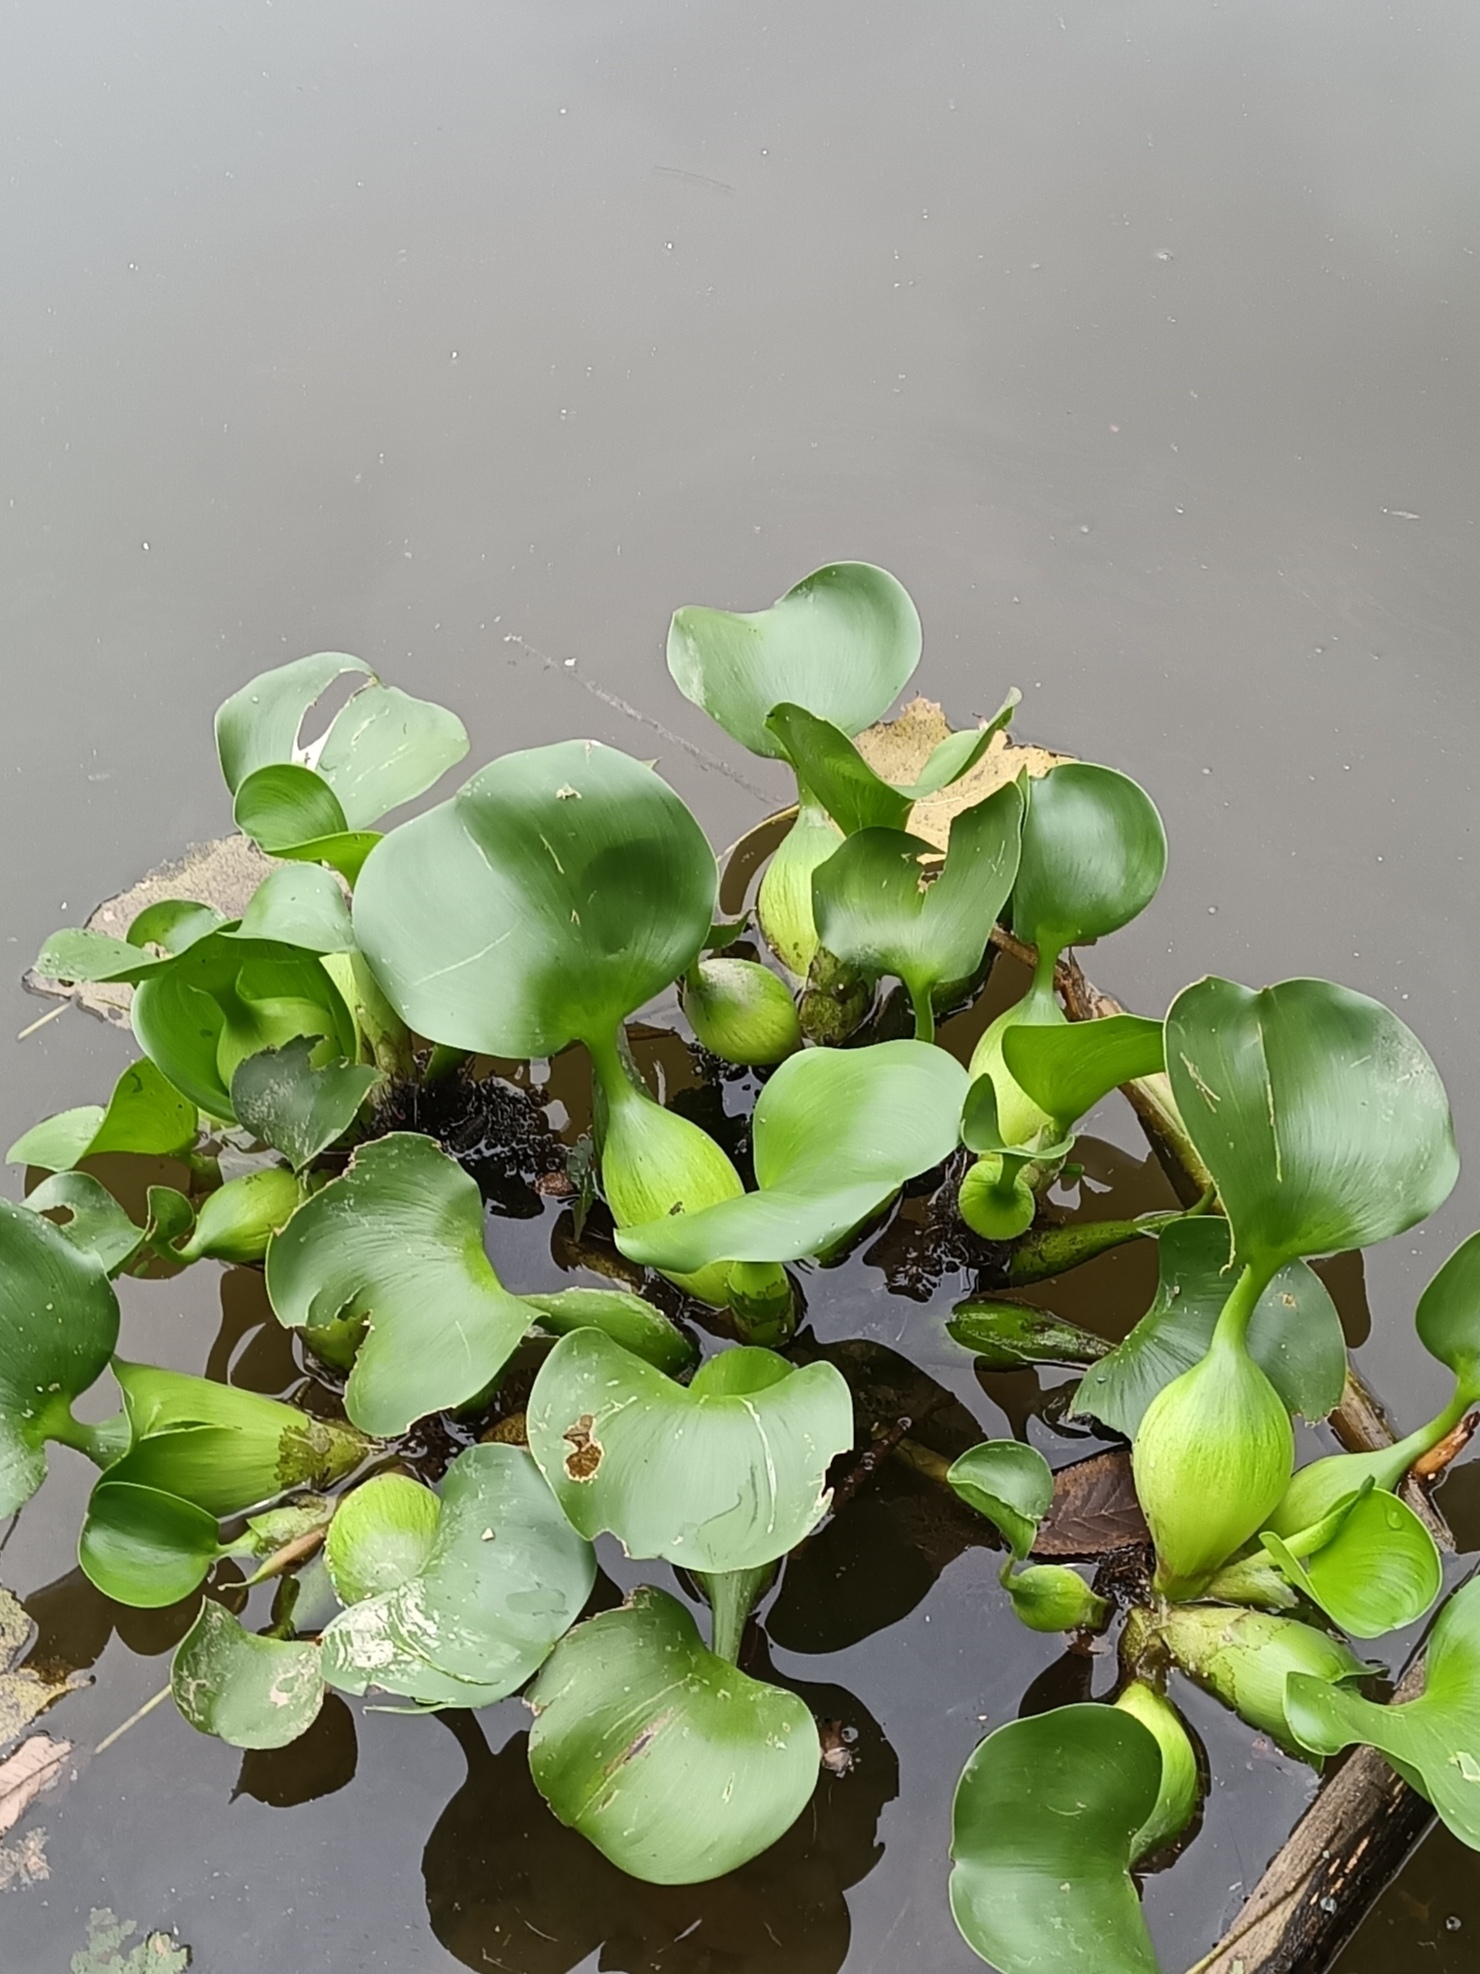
[
  {"x": 1453, "y": 1923},
  {"x": 1163, "y": 253}
]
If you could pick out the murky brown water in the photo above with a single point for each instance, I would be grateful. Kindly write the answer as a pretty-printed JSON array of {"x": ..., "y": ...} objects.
[{"x": 1138, "y": 339}]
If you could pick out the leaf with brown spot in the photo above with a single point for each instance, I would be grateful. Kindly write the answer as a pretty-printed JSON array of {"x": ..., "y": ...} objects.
[
  {"x": 1094, "y": 1510},
  {"x": 585, "y": 1455}
]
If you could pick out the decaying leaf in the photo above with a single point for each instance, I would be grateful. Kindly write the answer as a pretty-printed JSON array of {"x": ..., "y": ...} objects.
[
  {"x": 107, "y": 1937},
  {"x": 25, "y": 1691},
  {"x": 24, "y": 1861},
  {"x": 222, "y": 874},
  {"x": 1094, "y": 1510},
  {"x": 35, "y": 1766},
  {"x": 898, "y": 749}
]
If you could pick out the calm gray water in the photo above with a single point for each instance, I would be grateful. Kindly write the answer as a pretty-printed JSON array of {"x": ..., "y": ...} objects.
[{"x": 1137, "y": 339}]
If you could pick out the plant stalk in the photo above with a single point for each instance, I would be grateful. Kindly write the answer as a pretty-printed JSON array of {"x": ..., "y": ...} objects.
[{"x": 733, "y": 1595}]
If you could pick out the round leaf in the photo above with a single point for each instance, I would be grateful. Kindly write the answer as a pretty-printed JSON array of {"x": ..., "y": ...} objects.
[
  {"x": 1378, "y": 1571},
  {"x": 840, "y": 644},
  {"x": 671, "y": 1762},
  {"x": 1433, "y": 1741},
  {"x": 1448, "y": 1316},
  {"x": 58, "y": 1326},
  {"x": 1318, "y": 1113},
  {"x": 299, "y": 905},
  {"x": 399, "y": 1239},
  {"x": 503, "y": 1578},
  {"x": 835, "y": 1133},
  {"x": 253, "y": 1692},
  {"x": 1294, "y": 1334},
  {"x": 143, "y": 1547},
  {"x": 381, "y": 1535},
  {"x": 627, "y": 1319},
  {"x": 94, "y": 1223},
  {"x": 259, "y": 724},
  {"x": 727, "y": 1474},
  {"x": 290, "y": 811},
  {"x": 1094, "y": 855},
  {"x": 554, "y": 894},
  {"x": 144, "y": 1114},
  {"x": 1046, "y": 1816},
  {"x": 299, "y": 1110},
  {"x": 1011, "y": 1484}
]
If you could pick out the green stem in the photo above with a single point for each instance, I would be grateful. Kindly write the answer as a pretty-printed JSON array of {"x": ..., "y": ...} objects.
[
  {"x": 762, "y": 1303},
  {"x": 445, "y": 1061},
  {"x": 733, "y": 1595},
  {"x": 924, "y": 1012},
  {"x": 102, "y": 1444},
  {"x": 1233, "y": 1320}
]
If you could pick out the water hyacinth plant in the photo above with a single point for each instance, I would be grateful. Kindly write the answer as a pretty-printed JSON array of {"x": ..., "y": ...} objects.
[{"x": 429, "y": 1509}]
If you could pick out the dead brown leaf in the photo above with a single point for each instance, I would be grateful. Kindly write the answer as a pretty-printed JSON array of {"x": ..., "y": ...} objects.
[
  {"x": 898, "y": 749},
  {"x": 1094, "y": 1510},
  {"x": 34, "y": 1766}
]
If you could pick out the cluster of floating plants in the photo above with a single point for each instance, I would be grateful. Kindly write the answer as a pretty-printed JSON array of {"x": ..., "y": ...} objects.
[{"x": 557, "y": 893}]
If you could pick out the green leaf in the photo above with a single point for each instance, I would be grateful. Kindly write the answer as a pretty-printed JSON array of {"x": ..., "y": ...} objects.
[
  {"x": 399, "y": 1238},
  {"x": 1176, "y": 1801},
  {"x": 1448, "y": 1316},
  {"x": 146, "y": 1548},
  {"x": 830, "y": 767},
  {"x": 959, "y": 753},
  {"x": 1008, "y": 1335},
  {"x": 841, "y": 644},
  {"x": 174, "y": 924},
  {"x": 1433, "y": 1741},
  {"x": 675, "y": 1765},
  {"x": 1094, "y": 854},
  {"x": 1052, "y": 1597},
  {"x": 200, "y": 1015},
  {"x": 381, "y": 1536},
  {"x": 253, "y": 1692},
  {"x": 95, "y": 1223},
  {"x": 627, "y": 1319},
  {"x": 299, "y": 905},
  {"x": 724, "y": 1475},
  {"x": 144, "y": 1114},
  {"x": 381, "y": 749},
  {"x": 1294, "y": 1334},
  {"x": 1376, "y": 1572},
  {"x": 877, "y": 909},
  {"x": 290, "y": 811},
  {"x": 836, "y": 1132},
  {"x": 281, "y": 1098},
  {"x": 1067, "y": 1069},
  {"x": 504, "y": 1577},
  {"x": 1046, "y": 1816},
  {"x": 58, "y": 1327},
  {"x": 1317, "y": 1112},
  {"x": 1011, "y": 1484},
  {"x": 555, "y": 893},
  {"x": 222, "y": 1448}
]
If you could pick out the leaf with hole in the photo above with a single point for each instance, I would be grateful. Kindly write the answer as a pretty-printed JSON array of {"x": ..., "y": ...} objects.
[
  {"x": 300, "y": 1110},
  {"x": 673, "y": 1763},
  {"x": 399, "y": 1239},
  {"x": 725, "y": 1474},
  {"x": 1043, "y": 1833}
]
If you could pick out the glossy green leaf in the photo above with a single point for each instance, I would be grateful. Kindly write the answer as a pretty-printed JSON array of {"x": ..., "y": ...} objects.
[
  {"x": 381, "y": 1536},
  {"x": 1067, "y": 1069},
  {"x": 627, "y": 1319},
  {"x": 299, "y": 905},
  {"x": 959, "y": 753},
  {"x": 835, "y": 1133},
  {"x": 1008, "y": 1335},
  {"x": 1434, "y": 1740},
  {"x": 1377, "y": 1571},
  {"x": 1448, "y": 1317},
  {"x": 1094, "y": 854},
  {"x": 878, "y": 910},
  {"x": 671, "y": 1762},
  {"x": 831, "y": 768},
  {"x": 841, "y": 644},
  {"x": 203, "y": 1013},
  {"x": 58, "y": 1327},
  {"x": 740, "y": 1011},
  {"x": 1319, "y": 1114},
  {"x": 222, "y": 1448},
  {"x": 144, "y": 1547},
  {"x": 281, "y": 1098},
  {"x": 503, "y": 1578},
  {"x": 289, "y": 811},
  {"x": 382, "y": 748},
  {"x": 144, "y": 1114},
  {"x": 173, "y": 924},
  {"x": 1011, "y": 1484},
  {"x": 726, "y": 1474},
  {"x": 1044, "y": 1825},
  {"x": 252, "y": 1692},
  {"x": 554, "y": 894},
  {"x": 94, "y": 1221},
  {"x": 400, "y": 1239},
  {"x": 1245, "y": 1658},
  {"x": 1294, "y": 1335},
  {"x": 1177, "y": 1798}
]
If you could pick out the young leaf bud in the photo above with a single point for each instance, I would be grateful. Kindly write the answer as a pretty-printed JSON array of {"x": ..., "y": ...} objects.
[
  {"x": 238, "y": 1219},
  {"x": 1052, "y": 1597},
  {"x": 1176, "y": 1801},
  {"x": 741, "y": 1012}
]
